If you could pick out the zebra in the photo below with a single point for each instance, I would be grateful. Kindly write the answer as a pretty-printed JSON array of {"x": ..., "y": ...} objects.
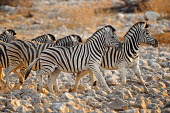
[
  {"x": 7, "y": 36},
  {"x": 22, "y": 53},
  {"x": 69, "y": 40},
  {"x": 128, "y": 57},
  {"x": 4, "y": 61},
  {"x": 78, "y": 58},
  {"x": 46, "y": 38}
]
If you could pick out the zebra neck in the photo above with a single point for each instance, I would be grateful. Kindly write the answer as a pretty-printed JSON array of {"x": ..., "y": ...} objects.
[
  {"x": 98, "y": 47},
  {"x": 131, "y": 47}
]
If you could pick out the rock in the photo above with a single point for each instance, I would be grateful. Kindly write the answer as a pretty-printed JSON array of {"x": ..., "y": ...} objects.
[
  {"x": 155, "y": 65},
  {"x": 90, "y": 92},
  {"x": 117, "y": 3},
  {"x": 7, "y": 8},
  {"x": 152, "y": 16},
  {"x": 140, "y": 103},
  {"x": 137, "y": 88},
  {"x": 66, "y": 96},
  {"x": 117, "y": 104},
  {"x": 111, "y": 80},
  {"x": 120, "y": 16},
  {"x": 48, "y": 110},
  {"x": 153, "y": 106},
  {"x": 13, "y": 104},
  {"x": 165, "y": 63},
  {"x": 21, "y": 109},
  {"x": 168, "y": 57},
  {"x": 72, "y": 106},
  {"x": 166, "y": 110},
  {"x": 101, "y": 92},
  {"x": 167, "y": 105},
  {"x": 153, "y": 90},
  {"x": 61, "y": 107},
  {"x": 167, "y": 77},
  {"x": 38, "y": 110},
  {"x": 133, "y": 110},
  {"x": 2, "y": 107},
  {"x": 96, "y": 111},
  {"x": 145, "y": 110}
]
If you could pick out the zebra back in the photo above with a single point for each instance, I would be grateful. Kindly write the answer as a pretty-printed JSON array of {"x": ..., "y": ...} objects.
[
  {"x": 78, "y": 58},
  {"x": 46, "y": 38},
  {"x": 71, "y": 40}
]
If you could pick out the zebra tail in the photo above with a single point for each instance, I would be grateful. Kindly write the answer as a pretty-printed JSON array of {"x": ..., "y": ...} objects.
[{"x": 28, "y": 70}]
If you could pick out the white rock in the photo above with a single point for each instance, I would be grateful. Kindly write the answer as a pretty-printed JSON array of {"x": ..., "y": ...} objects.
[
  {"x": 133, "y": 110},
  {"x": 120, "y": 16},
  {"x": 13, "y": 104},
  {"x": 151, "y": 15},
  {"x": 60, "y": 107},
  {"x": 140, "y": 104},
  {"x": 21, "y": 109},
  {"x": 38, "y": 110},
  {"x": 117, "y": 104},
  {"x": 66, "y": 96}
]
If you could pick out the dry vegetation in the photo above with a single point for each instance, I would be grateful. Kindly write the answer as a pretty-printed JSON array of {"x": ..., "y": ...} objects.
[
  {"x": 162, "y": 6},
  {"x": 86, "y": 15}
]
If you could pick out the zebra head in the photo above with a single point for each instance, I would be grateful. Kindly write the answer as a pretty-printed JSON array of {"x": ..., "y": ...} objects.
[
  {"x": 9, "y": 32},
  {"x": 146, "y": 37},
  {"x": 112, "y": 40}
]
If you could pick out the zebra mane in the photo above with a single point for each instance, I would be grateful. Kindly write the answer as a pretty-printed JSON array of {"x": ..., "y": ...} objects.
[
  {"x": 97, "y": 33},
  {"x": 139, "y": 25}
]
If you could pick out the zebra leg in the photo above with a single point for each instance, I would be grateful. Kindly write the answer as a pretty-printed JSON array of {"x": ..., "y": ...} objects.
[
  {"x": 7, "y": 72},
  {"x": 122, "y": 71},
  {"x": 52, "y": 81},
  {"x": 21, "y": 80},
  {"x": 40, "y": 81},
  {"x": 96, "y": 70},
  {"x": 93, "y": 81},
  {"x": 22, "y": 71},
  {"x": 78, "y": 77},
  {"x": 136, "y": 69},
  {"x": 2, "y": 82}
]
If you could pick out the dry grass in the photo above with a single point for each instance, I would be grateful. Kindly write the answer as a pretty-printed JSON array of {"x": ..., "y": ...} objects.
[
  {"x": 83, "y": 15},
  {"x": 23, "y": 3},
  {"x": 160, "y": 6}
]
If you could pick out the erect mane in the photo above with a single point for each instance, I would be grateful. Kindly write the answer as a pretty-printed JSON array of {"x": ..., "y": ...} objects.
[{"x": 145, "y": 25}]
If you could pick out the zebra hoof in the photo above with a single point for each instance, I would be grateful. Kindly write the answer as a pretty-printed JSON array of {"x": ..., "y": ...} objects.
[{"x": 72, "y": 90}]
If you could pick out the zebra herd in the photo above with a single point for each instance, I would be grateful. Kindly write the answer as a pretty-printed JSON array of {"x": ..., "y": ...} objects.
[{"x": 103, "y": 50}]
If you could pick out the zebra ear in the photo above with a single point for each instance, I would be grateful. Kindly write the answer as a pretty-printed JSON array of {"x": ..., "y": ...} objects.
[
  {"x": 146, "y": 25},
  {"x": 73, "y": 38}
]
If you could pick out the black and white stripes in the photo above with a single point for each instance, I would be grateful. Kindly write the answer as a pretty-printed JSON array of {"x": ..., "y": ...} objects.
[
  {"x": 46, "y": 38},
  {"x": 128, "y": 57},
  {"x": 8, "y": 35},
  {"x": 22, "y": 53},
  {"x": 77, "y": 58}
]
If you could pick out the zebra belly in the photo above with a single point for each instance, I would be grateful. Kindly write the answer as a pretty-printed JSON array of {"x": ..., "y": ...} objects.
[{"x": 73, "y": 69}]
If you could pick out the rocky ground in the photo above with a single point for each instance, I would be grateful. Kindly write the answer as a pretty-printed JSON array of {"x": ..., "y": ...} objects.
[{"x": 154, "y": 65}]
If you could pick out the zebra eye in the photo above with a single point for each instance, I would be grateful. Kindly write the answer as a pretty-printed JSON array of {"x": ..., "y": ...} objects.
[{"x": 147, "y": 33}]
